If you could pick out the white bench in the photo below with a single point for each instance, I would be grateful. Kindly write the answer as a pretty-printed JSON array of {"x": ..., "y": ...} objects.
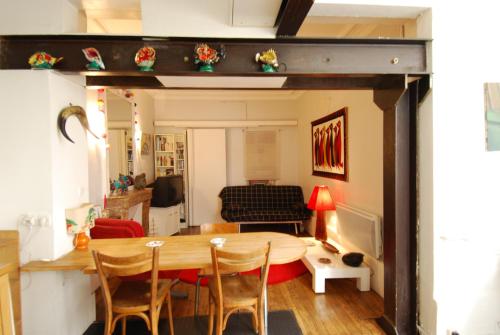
[{"x": 336, "y": 269}]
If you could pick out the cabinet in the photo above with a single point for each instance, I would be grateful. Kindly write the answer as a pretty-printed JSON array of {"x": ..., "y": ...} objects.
[{"x": 164, "y": 221}]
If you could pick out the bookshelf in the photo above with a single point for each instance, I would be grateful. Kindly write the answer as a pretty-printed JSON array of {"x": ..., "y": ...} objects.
[{"x": 170, "y": 159}]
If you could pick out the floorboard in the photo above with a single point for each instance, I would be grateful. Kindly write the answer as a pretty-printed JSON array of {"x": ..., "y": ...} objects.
[{"x": 342, "y": 310}]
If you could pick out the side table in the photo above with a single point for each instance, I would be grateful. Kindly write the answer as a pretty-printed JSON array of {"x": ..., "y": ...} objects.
[{"x": 336, "y": 269}]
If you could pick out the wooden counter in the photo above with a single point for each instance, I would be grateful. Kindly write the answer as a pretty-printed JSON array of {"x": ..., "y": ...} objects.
[
  {"x": 177, "y": 252},
  {"x": 122, "y": 203}
]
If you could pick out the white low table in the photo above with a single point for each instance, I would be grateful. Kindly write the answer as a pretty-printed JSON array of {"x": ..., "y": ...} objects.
[{"x": 336, "y": 269}]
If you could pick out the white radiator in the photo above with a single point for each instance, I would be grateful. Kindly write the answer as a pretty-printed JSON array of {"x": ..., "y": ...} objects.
[{"x": 358, "y": 230}]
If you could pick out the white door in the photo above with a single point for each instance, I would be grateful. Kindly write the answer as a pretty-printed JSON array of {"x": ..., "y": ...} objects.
[{"x": 207, "y": 174}]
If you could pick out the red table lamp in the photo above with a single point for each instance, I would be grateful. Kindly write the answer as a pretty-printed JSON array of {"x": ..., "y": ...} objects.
[{"x": 321, "y": 200}]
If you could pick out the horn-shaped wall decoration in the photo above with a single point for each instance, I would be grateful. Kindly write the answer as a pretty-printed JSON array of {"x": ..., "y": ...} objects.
[{"x": 77, "y": 111}]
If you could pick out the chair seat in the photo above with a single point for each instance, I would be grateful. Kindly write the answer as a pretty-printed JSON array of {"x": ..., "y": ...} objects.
[
  {"x": 238, "y": 290},
  {"x": 133, "y": 296}
]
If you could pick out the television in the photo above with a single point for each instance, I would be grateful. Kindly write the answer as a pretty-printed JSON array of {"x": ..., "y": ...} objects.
[{"x": 168, "y": 191}]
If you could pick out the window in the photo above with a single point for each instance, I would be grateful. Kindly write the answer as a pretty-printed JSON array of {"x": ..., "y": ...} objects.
[{"x": 261, "y": 155}]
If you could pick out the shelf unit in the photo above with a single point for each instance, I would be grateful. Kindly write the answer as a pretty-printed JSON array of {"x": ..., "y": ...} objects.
[
  {"x": 164, "y": 155},
  {"x": 130, "y": 153},
  {"x": 170, "y": 159}
]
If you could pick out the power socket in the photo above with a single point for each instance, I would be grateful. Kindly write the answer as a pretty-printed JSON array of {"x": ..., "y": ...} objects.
[{"x": 35, "y": 220}]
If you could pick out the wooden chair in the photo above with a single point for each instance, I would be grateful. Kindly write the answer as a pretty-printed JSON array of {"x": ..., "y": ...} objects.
[
  {"x": 233, "y": 293},
  {"x": 137, "y": 298},
  {"x": 198, "y": 277}
]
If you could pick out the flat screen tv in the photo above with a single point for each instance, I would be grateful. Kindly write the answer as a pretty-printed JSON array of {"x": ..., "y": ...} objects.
[{"x": 168, "y": 191}]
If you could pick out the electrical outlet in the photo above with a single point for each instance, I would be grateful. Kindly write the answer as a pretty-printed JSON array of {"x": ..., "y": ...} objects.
[
  {"x": 28, "y": 220},
  {"x": 43, "y": 220}
]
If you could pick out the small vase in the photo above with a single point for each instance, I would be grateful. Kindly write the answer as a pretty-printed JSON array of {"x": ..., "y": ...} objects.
[
  {"x": 81, "y": 241},
  {"x": 268, "y": 68},
  {"x": 206, "y": 68}
]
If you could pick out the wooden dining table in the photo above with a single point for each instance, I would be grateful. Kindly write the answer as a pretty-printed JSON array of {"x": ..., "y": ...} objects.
[{"x": 177, "y": 252}]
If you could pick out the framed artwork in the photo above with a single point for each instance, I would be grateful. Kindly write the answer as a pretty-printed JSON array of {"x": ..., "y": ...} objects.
[
  {"x": 329, "y": 145},
  {"x": 146, "y": 143}
]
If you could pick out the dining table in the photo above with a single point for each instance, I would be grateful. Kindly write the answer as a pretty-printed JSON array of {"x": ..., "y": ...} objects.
[{"x": 177, "y": 252}]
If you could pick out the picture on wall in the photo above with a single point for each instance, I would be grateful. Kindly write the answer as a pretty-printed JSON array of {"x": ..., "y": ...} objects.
[
  {"x": 146, "y": 141},
  {"x": 329, "y": 145},
  {"x": 492, "y": 115}
]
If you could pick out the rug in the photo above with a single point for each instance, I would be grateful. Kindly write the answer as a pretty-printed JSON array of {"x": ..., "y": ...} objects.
[{"x": 280, "y": 323}]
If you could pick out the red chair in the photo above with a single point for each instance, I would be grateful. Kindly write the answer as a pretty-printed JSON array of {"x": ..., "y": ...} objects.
[{"x": 116, "y": 228}]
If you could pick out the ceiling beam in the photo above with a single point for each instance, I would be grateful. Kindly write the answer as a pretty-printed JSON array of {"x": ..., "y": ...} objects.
[
  {"x": 174, "y": 56},
  {"x": 291, "y": 16}
]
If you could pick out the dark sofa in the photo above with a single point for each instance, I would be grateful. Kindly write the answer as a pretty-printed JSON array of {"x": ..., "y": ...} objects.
[{"x": 263, "y": 203}]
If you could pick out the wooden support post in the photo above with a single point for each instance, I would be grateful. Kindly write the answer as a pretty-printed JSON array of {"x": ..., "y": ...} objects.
[{"x": 400, "y": 107}]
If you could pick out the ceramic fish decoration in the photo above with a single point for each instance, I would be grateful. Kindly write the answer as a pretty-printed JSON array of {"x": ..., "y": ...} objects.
[
  {"x": 43, "y": 60},
  {"x": 205, "y": 57},
  {"x": 95, "y": 59},
  {"x": 268, "y": 60},
  {"x": 145, "y": 58},
  {"x": 80, "y": 114}
]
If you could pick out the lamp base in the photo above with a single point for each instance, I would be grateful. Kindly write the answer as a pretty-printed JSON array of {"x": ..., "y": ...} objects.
[{"x": 320, "y": 232}]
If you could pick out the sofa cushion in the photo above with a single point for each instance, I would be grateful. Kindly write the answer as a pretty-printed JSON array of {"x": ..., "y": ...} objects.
[
  {"x": 130, "y": 224},
  {"x": 262, "y": 197},
  {"x": 262, "y": 215},
  {"x": 100, "y": 231}
]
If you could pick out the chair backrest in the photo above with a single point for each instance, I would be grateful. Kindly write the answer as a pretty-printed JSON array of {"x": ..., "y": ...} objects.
[
  {"x": 109, "y": 267},
  {"x": 219, "y": 228},
  {"x": 236, "y": 262}
]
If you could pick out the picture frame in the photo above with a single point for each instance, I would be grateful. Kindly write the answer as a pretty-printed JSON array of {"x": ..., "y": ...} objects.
[
  {"x": 146, "y": 143},
  {"x": 329, "y": 146}
]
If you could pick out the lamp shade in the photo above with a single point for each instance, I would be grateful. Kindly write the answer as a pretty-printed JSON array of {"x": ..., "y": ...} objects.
[{"x": 321, "y": 199}]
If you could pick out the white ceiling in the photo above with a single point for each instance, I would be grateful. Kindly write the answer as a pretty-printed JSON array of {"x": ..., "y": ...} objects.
[
  {"x": 354, "y": 10},
  {"x": 216, "y": 82},
  {"x": 224, "y": 95}
]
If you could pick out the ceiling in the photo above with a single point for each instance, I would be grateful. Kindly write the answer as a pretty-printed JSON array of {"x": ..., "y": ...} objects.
[
  {"x": 243, "y": 18},
  {"x": 224, "y": 95}
]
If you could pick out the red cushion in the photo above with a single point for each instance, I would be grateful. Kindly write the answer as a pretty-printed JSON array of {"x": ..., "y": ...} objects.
[
  {"x": 280, "y": 273},
  {"x": 191, "y": 276},
  {"x": 100, "y": 231},
  {"x": 133, "y": 225}
]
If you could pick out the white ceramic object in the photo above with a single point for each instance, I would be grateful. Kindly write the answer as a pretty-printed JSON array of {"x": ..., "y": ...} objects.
[
  {"x": 218, "y": 241},
  {"x": 153, "y": 244}
]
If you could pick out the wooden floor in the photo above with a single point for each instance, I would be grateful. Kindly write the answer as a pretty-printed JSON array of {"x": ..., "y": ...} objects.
[{"x": 342, "y": 310}]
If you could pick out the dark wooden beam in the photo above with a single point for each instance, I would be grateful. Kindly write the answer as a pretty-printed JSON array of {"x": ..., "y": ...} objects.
[
  {"x": 298, "y": 57},
  {"x": 400, "y": 107},
  {"x": 292, "y": 15}
]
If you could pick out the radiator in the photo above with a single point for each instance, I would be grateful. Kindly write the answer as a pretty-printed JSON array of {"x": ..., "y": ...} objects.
[{"x": 358, "y": 230}]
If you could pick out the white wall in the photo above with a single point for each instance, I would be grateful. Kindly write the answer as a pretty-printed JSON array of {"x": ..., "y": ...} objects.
[
  {"x": 364, "y": 188},
  {"x": 466, "y": 179},
  {"x": 146, "y": 109},
  {"x": 235, "y": 138},
  {"x": 45, "y": 174}
]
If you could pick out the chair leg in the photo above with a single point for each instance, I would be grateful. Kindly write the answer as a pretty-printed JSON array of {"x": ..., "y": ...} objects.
[
  {"x": 255, "y": 318},
  {"x": 211, "y": 311},
  {"x": 197, "y": 296},
  {"x": 169, "y": 312},
  {"x": 220, "y": 319},
  {"x": 124, "y": 325},
  {"x": 107, "y": 325},
  {"x": 260, "y": 313}
]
